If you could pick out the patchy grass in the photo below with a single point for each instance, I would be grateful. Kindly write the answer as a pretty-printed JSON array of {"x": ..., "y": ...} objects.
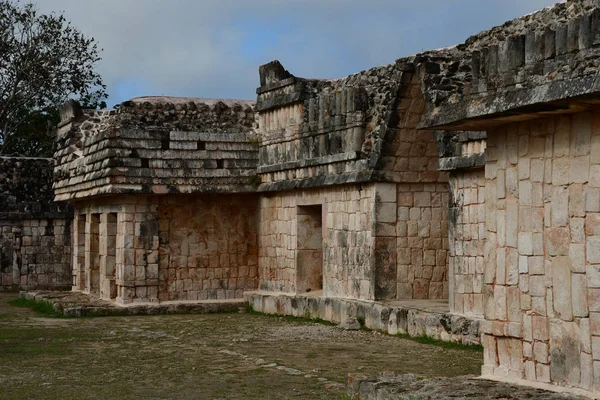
[
  {"x": 181, "y": 356},
  {"x": 441, "y": 343},
  {"x": 40, "y": 307},
  {"x": 419, "y": 339}
]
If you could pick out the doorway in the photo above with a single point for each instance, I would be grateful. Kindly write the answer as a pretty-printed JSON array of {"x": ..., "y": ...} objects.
[{"x": 309, "y": 255}]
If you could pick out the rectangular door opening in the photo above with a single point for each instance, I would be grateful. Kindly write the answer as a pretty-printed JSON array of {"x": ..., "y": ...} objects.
[{"x": 309, "y": 256}]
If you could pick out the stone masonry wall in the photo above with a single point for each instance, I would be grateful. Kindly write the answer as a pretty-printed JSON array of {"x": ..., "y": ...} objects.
[
  {"x": 35, "y": 232},
  {"x": 467, "y": 238},
  {"x": 348, "y": 238},
  {"x": 35, "y": 254},
  {"x": 156, "y": 146},
  {"x": 416, "y": 233},
  {"x": 542, "y": 256},
  {"x": 212, "y": 247},
  {"x": 422, "y": 241},
  {"x": 192, "y": 247}
]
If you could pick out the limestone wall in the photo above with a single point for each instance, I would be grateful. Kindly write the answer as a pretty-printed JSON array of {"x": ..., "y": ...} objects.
[
  {"x": 542, "y": 257},
  {"x": 156, "y": 146},
  {"x": 422, "y": 241},
  {"x": 35, "y": 254},
  {"x": 348, "y": 255},
  {"x": 193, "y": 247},
  {"x": 415, "y": 230},
  {"x": 35, "y": 232},
  {"x": 467, "y": 239}
]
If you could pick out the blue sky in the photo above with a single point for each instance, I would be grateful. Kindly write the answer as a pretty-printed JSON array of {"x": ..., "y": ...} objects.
[{"x": 213, "y": 48}]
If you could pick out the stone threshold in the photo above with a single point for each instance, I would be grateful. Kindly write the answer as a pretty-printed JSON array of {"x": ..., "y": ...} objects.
[
  {"x": 77, "y": 304},
  {"x": 413, "y": 318}
]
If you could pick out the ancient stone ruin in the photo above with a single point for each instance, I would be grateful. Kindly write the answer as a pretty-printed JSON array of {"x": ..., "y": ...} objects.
[
  {"x": 35, "y": 232},
  {"x": 453, "y": 193}
]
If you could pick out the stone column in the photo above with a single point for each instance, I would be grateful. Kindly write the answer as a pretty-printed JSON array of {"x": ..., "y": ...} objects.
[
  {"x": 79, "y": 252},
  {"x": 92, "y": 254},
  {"x": 384, "y": 228},
  {"x": 108, "y": 232},
  {"x": 137, "y": 253}
]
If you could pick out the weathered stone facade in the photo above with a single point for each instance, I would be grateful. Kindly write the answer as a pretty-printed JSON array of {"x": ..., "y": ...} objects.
[
  {"x": 541, "y": 250},
  {"x": 163, "y": 248},
  {"x": 532, "y": 85},
  {"x": 467, "y": 174},
  {"x": 35, "y": 232}
]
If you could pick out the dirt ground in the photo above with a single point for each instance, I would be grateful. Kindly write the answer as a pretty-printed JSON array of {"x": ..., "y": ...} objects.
[{"x": 211, "y": 356}]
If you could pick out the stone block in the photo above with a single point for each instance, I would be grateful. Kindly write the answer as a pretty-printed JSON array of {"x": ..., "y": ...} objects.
[
  {"x": 542, "y": 371},
  {"x": 593, "y": 298},
  {"x": 540, "y": 328},
  {"x": 540, "y": 352},
  {"x": 580, "y": 295},
  {"x": 584, "y": 329},
  {"x": 579, "y": 170},
  {"x": 560, "y": 206},
  {"x": 593, "y": 249},
  {"x": 565, "y": 352},
  {"x": 587, "y": 371},
  {"x": 592, "y": 224},
  {"x": 386, "y": 192},
  {"x": 525, "y": 244},
  {"x": 596, "y": 347},
  {"x": 558, "y": 240},
  {"x": 595, "y": 323},
  {"x": 592, "y": 200}
]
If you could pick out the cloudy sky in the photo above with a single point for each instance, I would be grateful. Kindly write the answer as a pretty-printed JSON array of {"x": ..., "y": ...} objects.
[{"x": 213, "y": 48}]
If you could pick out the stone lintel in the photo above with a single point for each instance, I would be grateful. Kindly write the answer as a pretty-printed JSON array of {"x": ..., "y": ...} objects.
[
  {"x": 461, "y": 162},
  {"x": 493, "y": 109},
  {"x": 319, "y": 181}
]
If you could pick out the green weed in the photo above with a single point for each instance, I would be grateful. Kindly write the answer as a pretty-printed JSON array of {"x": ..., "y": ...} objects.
[
  {"x": 40, "y": 307},
  {"x": 440, "y": 343}
]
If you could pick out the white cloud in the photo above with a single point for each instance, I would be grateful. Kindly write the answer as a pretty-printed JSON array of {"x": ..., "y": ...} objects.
[{"x": 213, "y": 48}]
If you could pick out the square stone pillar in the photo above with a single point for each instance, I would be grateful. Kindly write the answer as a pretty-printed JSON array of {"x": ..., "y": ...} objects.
[
  {"x": 137, "y": 254},
  {"x": 384, "y": 228},
  {"x": 79, "y": 252},
  {"x": 92, "y": 254},
  {"x": 108, "y": 247}
]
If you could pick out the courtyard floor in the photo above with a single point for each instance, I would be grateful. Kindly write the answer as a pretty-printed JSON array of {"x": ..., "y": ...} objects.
[{"x": 208, "y": 356}]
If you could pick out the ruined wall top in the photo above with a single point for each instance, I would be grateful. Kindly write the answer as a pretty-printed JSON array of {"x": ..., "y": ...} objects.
[
  {"x": 26, "y": 189},
  {"x": 317, "y": 132},
  {"x": 545, "y": 62},
  {"x": 156, "y": 145}
]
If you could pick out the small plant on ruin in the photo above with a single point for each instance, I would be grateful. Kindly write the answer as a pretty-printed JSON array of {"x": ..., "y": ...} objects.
[
  {"x": 254, "y": 141},
  {"x": 255, "y": 180}
]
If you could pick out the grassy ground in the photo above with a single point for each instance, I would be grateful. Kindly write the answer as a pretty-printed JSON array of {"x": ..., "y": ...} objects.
[{"x": 217, "y": 356}]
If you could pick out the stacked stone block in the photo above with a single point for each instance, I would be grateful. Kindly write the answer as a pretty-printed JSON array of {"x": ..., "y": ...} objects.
[
  {"x": 156, "y": 146},
  {"x": 348, "y": 240},
  {"x": 35, "y": 232},
  {"x": 156, "y": 248},
  {"x": 207, "y": 247},
  {"x": 467, "y": 240},
  {"x": 107, "y": 242},
  {"x": 35, "y": 254},
  {"x": 541, "y": 251},
  {"x": 422, "y": 241}
]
